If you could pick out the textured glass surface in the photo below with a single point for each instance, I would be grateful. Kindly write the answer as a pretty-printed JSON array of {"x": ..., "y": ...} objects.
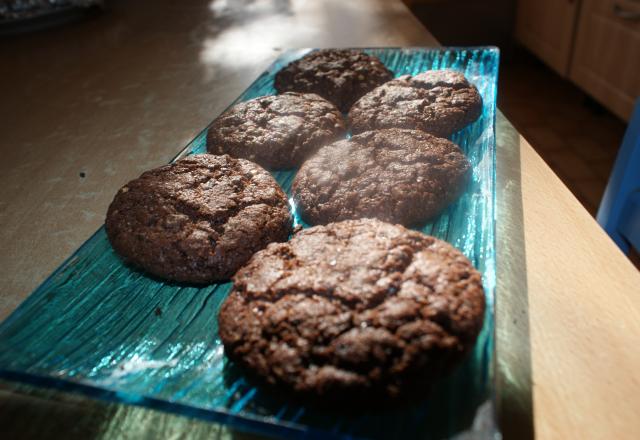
[{"x": 99, "y": 327}]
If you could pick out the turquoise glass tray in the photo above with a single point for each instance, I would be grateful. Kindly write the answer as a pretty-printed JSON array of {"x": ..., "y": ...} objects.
[{"x": 98, "y": 327}]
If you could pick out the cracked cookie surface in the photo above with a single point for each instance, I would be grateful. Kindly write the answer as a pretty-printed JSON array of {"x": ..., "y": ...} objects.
[
  {"x": 395, "y": 175},
  {"x": 353, "y": 309},
  {"x": 199, "y": 219},
  {"x": 341, "y": 76},
  {"x": 277, "y": 132},
  {"x": 439, "y": 102}
]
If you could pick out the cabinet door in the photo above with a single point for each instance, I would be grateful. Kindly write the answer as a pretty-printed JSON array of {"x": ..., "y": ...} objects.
[
  {"x": 546, "y": 27},
  {"x": 606, "y": 60}
]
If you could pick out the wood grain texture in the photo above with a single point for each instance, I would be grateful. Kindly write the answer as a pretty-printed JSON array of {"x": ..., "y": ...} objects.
[
  {"x": 568, "y": 311},
  {"x": 584, "y": 315},
  {"x": 546, "y": 27},
  {"x": 606, "y": 60}
]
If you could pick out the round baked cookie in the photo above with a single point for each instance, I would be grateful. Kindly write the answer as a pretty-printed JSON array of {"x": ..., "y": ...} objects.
[
  {"x": 395, "y": 175},
  {"x": 277, "y": 132},
  {"x": 354, "y": 309},
  {"x": 340, "y": 75},
  {"x": 199, "y": 219},
  {"x": 439, "y": 102}
]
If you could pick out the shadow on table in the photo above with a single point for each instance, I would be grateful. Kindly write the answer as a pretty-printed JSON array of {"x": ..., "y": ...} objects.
[
  {"x": 513, "y": 365},
  {"x": 28, "y": 412}
]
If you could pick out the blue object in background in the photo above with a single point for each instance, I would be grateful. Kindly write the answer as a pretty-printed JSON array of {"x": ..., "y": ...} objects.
[
  {"x": 99, "y": 327},
  {"x": 619, "y": 212}
]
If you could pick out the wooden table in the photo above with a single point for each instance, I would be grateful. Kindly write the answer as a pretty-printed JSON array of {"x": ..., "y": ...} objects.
[{"x": 85, "y": 108}]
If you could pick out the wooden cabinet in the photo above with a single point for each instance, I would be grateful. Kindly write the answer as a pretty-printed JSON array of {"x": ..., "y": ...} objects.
[
  {"x": 606, "y": 55},
  {"x": 546, "y": 27},
  {"x": 594, "y": 43}
]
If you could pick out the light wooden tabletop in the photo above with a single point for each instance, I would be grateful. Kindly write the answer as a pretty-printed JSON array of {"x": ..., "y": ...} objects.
[{"x": 87, "y": 107}]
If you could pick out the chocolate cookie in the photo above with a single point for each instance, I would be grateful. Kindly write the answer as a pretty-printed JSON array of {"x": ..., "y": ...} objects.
[
  {"x": 199, "y": 219},
  {"x": 439, "y": 102},
  {"x": 340, "y": 75},
  {"x": 355, "y": 309},
  {"x": 401, "y": 176},
  {"x": 276, "y": 131}
]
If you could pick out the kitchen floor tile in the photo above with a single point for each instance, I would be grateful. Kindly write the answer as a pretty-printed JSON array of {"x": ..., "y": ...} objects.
[
  {"x": 576, "y": 136},
  {"x": 589, "y": 149},
  {"x": 569, "y": 163},
  {"x": 590, "y": 189}
]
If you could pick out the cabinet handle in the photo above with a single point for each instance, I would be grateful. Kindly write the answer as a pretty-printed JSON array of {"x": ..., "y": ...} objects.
[{"x": 620, "y": 12}]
